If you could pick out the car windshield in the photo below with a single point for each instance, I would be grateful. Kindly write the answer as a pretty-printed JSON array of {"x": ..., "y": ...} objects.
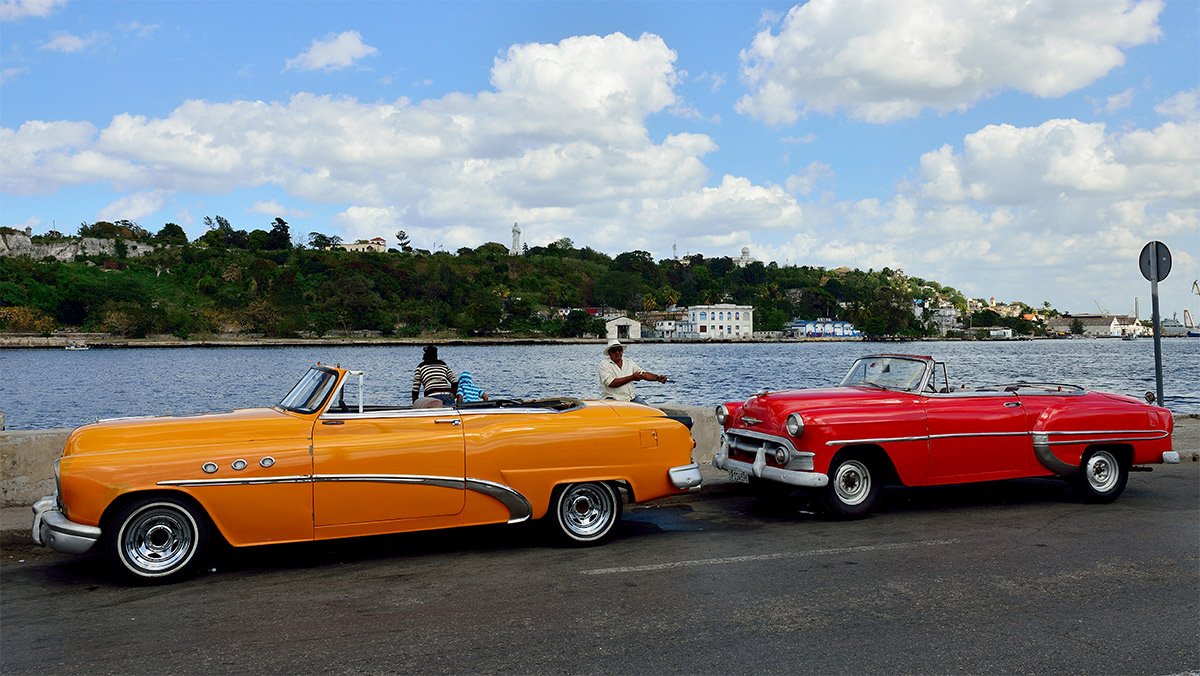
[
  {"x": 310, "y": 392},
  {"x": 893, "y": 373}
]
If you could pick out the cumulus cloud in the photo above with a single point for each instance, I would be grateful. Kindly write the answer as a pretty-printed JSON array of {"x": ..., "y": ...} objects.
[
  {"x": 67, "y": 43},
  {"x": 1118, "y": 102},
  {"x": 560, "y": 144},
  {"x": 274, "y": 209},
  {"x": 885, "y": 61},
  {"x": 133, "y": 207},
  {"x": 334, "y": 52},
  {"x": 8, "y": 74},
  {"x": 11, "y": 10},
  {"x": 1184, "y": 106}
]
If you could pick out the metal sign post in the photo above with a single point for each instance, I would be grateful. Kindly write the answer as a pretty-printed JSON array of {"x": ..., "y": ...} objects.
[{"x": 1155, "y": 262}]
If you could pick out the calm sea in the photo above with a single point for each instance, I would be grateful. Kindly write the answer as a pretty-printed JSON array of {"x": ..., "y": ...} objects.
[{"x": 42, "y": 388}]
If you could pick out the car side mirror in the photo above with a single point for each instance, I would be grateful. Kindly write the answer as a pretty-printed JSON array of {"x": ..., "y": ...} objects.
[{"x": 1149, "y": 397}]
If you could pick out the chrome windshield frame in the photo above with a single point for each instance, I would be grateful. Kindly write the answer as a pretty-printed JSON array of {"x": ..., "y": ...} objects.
[
  {"x": 328, "y": 384},
  {"x": 918, "y": 385}
]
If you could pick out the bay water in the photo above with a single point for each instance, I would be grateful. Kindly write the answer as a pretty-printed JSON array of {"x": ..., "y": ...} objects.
[{"x": 46, "y": 388}]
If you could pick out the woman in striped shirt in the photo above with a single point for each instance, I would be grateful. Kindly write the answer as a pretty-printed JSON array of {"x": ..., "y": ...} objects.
[{"x": 435, "y": 378}]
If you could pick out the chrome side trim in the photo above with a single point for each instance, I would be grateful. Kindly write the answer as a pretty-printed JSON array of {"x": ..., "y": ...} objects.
[
  {"x": 518, "y": 505},
  {"x": 1146, "y": 435},
  {"x": 253, "y": 481},
  {"x": 1041, "y": 449},
  {"x": 519, "y": 508}
]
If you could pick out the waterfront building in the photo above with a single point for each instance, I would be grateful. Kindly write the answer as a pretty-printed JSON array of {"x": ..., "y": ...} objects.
[
  {"x": 721, "y": 321},
  {"x": 823, "y": 327},
  {"x": 666, "y": 323},
  {"x": 1096, "y": 326},
  {"x": 373, "y": 244},
  {"x": 622, "y": 328}
]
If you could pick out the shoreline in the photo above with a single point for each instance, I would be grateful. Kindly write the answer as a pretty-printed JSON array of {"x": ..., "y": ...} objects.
[{"x": 105, "y": 341}]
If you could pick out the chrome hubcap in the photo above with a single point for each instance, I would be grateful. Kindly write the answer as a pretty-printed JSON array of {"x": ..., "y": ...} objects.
[
  {"x": 1102, "y": 472},
  {"x": 158, "y": 540},
  {"x": 587, "y": 509},
  {"x": 852, "y": 482}
]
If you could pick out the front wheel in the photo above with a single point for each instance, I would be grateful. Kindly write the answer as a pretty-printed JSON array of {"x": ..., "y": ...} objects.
[
  {"x": 852, "y": 491},
  {"x": 157, "y": 540},
  {"x": 1101, "y": 477},
  {"x": 586, "y": 513}
]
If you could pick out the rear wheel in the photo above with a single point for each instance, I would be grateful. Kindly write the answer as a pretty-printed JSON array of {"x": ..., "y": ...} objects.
[
  {"x": 156, "y": 540},
  {"x": 1101, "y": 477},
  {"x": 853, "y": 489},
  {"x": 586, "y": 513}
]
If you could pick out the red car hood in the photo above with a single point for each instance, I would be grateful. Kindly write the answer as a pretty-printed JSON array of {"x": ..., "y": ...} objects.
[{"x": 771, "y": 409}]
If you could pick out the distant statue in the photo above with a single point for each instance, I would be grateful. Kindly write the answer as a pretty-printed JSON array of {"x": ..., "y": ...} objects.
[{"x": 516, "y": 244}]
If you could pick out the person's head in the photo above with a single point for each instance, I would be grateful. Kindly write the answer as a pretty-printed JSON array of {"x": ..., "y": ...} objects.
[
  {"x": 615, "y": 350},
  {"x": 464, "y": 378},
  {"x": 430, "y": 353}
]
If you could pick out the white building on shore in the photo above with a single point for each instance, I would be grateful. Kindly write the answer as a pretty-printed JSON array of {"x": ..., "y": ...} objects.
[{"x": 723, "y": 321}]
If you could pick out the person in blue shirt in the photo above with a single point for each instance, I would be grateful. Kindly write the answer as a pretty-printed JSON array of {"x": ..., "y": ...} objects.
[{"x": 468, "y": 391}]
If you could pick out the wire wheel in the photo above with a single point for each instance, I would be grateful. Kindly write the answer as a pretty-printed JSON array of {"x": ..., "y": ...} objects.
[
  {"x": 157, "y": 540},
  {"x": 587, "y": 512}
]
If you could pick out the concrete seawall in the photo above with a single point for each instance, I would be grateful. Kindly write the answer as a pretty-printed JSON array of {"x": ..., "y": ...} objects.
[{"x": 27, "y": 457}]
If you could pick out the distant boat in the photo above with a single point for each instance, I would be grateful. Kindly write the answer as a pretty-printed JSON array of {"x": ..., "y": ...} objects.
[{"x": 76, "y": 346}]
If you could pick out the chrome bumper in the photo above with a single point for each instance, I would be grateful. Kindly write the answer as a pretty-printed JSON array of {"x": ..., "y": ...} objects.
[
  {"x": 685, "y": 476},
  {"x": 759, "y": 468},
  {"x": 52, "y": 529},
  {"x": 1171, "y": 457}
]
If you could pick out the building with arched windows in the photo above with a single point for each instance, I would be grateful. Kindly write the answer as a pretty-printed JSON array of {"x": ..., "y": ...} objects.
[{"x": 723, "y": 321}]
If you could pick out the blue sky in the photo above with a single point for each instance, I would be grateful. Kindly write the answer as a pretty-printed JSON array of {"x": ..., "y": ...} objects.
[{"x": 1011, "y": 151}]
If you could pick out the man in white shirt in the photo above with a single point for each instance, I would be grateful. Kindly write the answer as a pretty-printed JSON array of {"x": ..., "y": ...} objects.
[{"x": 617, "y": 374}]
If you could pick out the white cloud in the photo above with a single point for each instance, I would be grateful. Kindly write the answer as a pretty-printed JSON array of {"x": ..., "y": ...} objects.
[
  {"x": 139, "y": 29},
  {"x": 11, "y": 10},
  {"x": 64, "y": 42},
  {"x": 8, "y": 74},
  {"x": 334, "y": 52},
  {"x": 1006, "y": 210},
  {"x": 1184, "y": 106},
  {"x": 1118, "y": 102},
  {"x": 274, "y": 209},
  {"x": 133, "y": 207},
  {"x": 884, "y": 61}
]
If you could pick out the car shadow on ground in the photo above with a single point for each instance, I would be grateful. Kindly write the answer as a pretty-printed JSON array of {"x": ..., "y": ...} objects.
[{"x": 802, "y": 505}]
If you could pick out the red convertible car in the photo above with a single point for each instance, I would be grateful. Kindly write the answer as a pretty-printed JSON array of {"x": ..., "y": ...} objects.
[{"x": 895, "y": 419}]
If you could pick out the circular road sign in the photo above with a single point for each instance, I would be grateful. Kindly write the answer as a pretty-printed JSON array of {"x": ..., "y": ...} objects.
[{"x": 1155, "y": 252}]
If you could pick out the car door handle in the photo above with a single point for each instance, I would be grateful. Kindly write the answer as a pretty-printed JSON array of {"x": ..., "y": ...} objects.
[
  {"x": 452, "y": 421},
  {"x": 333, "y": 422},
  {"x": 1012, "y": 404}
]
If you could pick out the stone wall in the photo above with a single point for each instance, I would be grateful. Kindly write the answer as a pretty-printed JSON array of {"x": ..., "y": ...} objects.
[
  {"x": 21, "y": 245},
  {"x": 27, "y": 464}
]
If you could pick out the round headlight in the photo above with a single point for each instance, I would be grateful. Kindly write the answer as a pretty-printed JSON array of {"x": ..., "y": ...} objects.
[
  {"x": 781, "y": 456},
  {"x": 722, "y": 414},
  {"x": 795, "y": 425}
]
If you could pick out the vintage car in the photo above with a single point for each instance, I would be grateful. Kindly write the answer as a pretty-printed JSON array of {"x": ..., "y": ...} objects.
[
  {"x": 322, "y": 464},
  {"x": 895, "y": 419}
]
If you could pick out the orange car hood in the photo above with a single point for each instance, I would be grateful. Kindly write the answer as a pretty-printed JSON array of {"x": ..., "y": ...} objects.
[{"x": 205, "y": 430}]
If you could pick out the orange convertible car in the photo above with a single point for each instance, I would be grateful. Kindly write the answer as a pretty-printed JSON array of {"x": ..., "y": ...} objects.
[{"x": 322, "y": 464}]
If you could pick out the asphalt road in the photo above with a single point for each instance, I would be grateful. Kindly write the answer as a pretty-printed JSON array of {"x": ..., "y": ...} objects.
[{"x": 1013, "y": 577}]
